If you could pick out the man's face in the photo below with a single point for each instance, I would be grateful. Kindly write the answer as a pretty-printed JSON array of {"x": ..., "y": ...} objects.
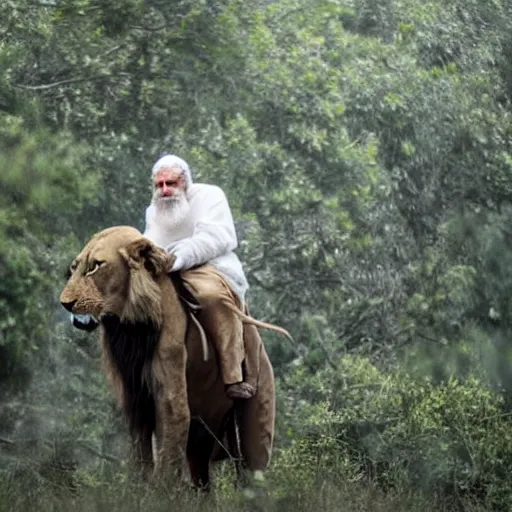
[
  {"x": 168, "y": 182},
  {"x": 170, "y": 199}
]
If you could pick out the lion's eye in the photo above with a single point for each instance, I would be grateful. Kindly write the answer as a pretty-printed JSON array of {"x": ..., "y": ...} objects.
[
  {"x": 95, "y": 266},
  {"x": 71, "y": 269}
]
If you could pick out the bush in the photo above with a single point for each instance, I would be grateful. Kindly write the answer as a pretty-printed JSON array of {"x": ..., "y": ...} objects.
[{"x": 450, "y": 440}]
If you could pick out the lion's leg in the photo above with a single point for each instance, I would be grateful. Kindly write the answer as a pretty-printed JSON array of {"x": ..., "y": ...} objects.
[
  {"x": 234, "y": 439},
  {"x": 199, "y": 451},
  {"x": 258, "y": 418},
  {"x": 170, "y": 440},
  {"x": 172, "y": 412}
]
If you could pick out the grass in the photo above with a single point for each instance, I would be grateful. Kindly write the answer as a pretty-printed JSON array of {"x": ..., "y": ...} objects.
[{"x": 31, "y": 486}]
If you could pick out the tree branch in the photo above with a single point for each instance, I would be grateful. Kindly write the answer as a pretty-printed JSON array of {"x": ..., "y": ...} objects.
[
  {"x": 93, "y": 451},
  {"x": 80, "y": 444},
  {"x": 112, "y": 50},
  {"x": 150, "y": 29},
  {"x": 44, "y": 87}
]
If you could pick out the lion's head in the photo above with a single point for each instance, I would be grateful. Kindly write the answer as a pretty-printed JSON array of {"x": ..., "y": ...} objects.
[{"x": 115, "y": 274}]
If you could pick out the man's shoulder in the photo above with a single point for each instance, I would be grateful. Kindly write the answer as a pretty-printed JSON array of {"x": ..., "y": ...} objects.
[{"x": 202, "y": 191}]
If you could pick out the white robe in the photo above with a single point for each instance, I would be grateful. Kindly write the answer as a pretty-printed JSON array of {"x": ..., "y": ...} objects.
[{"x": 206, "y": 235}]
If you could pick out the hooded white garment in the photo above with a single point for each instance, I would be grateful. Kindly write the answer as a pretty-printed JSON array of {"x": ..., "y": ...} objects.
[{"x": 206, "y": 235}]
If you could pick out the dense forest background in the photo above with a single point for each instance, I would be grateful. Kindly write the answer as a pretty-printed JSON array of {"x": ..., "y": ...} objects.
[{"x": 366, "y": 150}]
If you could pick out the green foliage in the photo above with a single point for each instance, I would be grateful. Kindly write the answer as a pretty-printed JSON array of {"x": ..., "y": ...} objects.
[
  {"x": 43, "y": 174},
  {"x": 365, "y": 148},
  {"x": 450, "y": 440}
]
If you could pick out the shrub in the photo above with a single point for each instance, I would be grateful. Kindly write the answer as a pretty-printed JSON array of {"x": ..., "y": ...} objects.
[{"x": 450, "y": 440}]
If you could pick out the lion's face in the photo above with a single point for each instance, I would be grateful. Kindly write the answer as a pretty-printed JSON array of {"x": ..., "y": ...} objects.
[{"x": 115, "y": 274}]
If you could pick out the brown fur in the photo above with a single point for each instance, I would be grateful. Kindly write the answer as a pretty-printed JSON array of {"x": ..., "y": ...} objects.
[{"x": 154, "y": 358}]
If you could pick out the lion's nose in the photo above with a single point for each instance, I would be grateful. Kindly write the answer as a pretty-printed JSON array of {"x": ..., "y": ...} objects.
[{"x": 69, "y": 305}]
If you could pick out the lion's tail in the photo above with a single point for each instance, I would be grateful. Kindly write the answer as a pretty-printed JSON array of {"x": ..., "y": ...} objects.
[{"x": 249, "y": 320}]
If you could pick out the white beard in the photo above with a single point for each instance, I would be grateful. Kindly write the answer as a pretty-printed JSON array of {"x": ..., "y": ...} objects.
[{"x": 171, "y": 212}]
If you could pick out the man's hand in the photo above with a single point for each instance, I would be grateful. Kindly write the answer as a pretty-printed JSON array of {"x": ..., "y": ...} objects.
[
  {"x": 178, "y": 263},
  {"x": 173, "y": 251}
]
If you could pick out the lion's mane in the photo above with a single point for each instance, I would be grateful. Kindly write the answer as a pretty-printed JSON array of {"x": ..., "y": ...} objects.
[{"x": 130, "y": 348}]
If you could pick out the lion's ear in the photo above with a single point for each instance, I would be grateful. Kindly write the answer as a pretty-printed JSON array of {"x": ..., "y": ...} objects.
[{"x": 143, "y": 252}]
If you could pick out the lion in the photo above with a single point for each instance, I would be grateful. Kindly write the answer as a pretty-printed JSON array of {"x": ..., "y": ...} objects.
[{"x": 162, "y": 368}]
